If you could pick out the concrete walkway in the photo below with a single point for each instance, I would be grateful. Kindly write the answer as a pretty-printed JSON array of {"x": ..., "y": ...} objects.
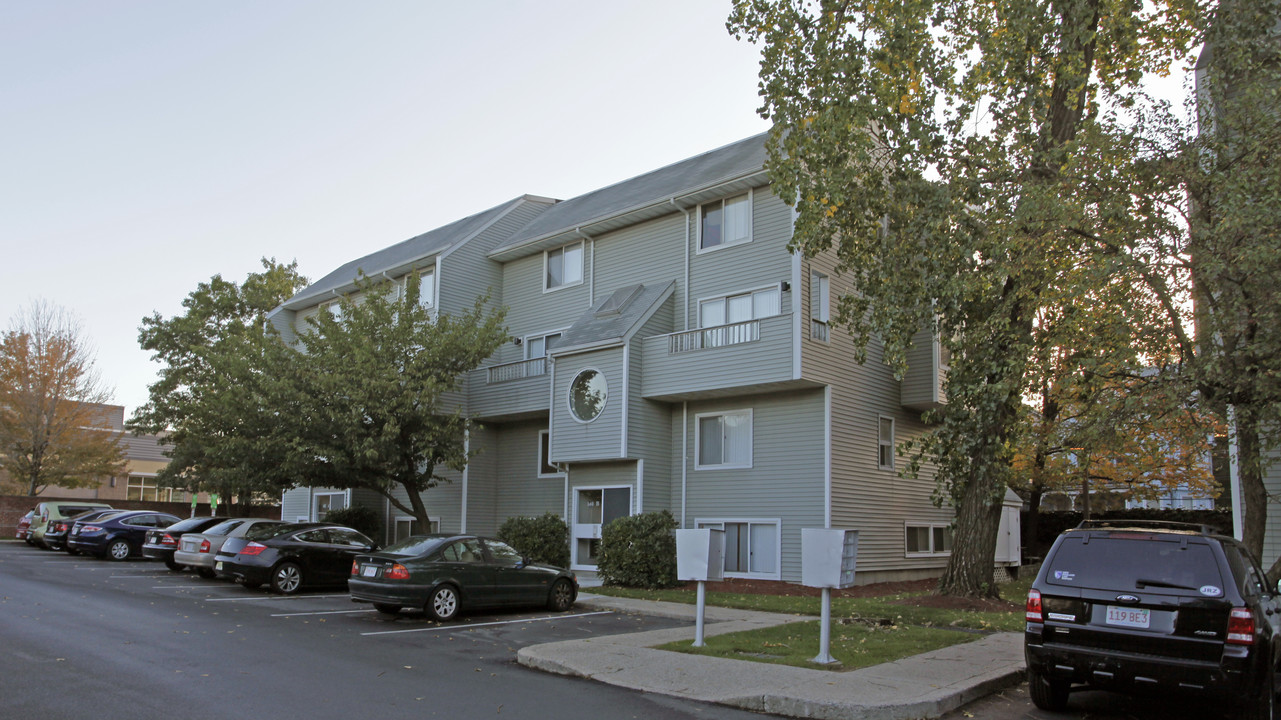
[{"x": 922, "y": 686}]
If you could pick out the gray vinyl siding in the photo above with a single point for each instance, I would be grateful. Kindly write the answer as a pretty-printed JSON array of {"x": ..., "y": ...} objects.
[
  {"x": 483, "y": 479},
  {"x": 295, "y": 503},
  {"x": 767, "y": 360},
  {"x": 601, "y": 438},
  {"x": 611, "y": 474},
  {"x": 649, "y": 426},
  {"x": 284, "y": 323},
  {"x": 522, "y": 493},
  {"x": 735, "y": 268},
  {"x": 920, "y": 387},
  {"x": 649, "y": 253},
  {"x": 513, "y": 397},
  {"x": 466, "y": 273},
  {"x": 786, "y": 480},
  {"x": 875, "y": 501},
  {"x": 532, "y": 311}
]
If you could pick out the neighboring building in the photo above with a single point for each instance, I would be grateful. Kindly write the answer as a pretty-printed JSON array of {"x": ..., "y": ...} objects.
[
  {"x": 669, "y": 353},
  {"x": 144, "y": 458}
]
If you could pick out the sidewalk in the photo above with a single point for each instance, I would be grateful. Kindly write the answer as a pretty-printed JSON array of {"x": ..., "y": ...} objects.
[{"x": 922, "y": 686}]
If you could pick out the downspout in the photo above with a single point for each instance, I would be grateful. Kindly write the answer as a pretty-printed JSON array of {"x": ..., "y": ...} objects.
[
  {"x": 640, "y": 486},
  {"x": 466, "y": 469},
  {"x": 591, "y": 284},
  {"x": 684, "y": 456},
  {"x": 685, "y": 298}
]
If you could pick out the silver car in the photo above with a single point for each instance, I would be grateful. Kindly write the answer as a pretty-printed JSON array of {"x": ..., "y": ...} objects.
[{"x": 197, "y": 550}]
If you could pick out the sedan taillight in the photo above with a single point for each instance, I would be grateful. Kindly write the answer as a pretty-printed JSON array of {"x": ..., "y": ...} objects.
[
  {"x": 205, "y": 546},
  {"x": 1034, "y": 606},
  {"x": 90, "y": 529},
  {"x": 169, "y": 540},
  {"x": 355, "y": 567},
  {"x": 1240, "y": 627},
  {"x": 396, "y": 572},
  {"x": 253, "y": 548}
]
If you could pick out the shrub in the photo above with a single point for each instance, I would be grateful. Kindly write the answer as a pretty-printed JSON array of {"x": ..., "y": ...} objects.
[
  {"x": 639, "y": 551},
  {"x": 360, "y": 518},
  {"x": 541, "y": 539}
]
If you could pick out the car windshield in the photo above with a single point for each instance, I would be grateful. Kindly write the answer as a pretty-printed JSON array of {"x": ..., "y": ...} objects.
[
  {"x": 1135, "y": 561},
  {"x": 415, "y": 545}
]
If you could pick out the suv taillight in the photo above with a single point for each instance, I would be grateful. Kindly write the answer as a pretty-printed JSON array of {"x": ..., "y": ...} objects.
[
  {"x": 1034, "y": 606},
  {"x": 1241, "y": 627}
]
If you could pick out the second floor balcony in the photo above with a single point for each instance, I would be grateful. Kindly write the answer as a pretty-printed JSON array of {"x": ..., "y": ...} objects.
[
  {"x": 510, "y": 389},
  {"x": 719, "y": 360}
]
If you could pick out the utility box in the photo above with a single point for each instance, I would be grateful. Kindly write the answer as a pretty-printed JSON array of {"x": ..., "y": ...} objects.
[
  {"x": 828, "y": 557},
  {"x": 700, "y": 554}
]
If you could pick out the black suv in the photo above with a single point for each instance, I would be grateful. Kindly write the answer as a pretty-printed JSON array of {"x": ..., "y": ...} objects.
[{"x": 1146, "y": 606}]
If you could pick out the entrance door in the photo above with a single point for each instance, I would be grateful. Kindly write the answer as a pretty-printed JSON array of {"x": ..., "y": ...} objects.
[{"x": 594, "y": 508}]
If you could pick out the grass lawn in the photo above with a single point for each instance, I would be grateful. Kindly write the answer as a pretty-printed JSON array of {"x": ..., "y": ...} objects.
[{"x": 865, "y": 630}]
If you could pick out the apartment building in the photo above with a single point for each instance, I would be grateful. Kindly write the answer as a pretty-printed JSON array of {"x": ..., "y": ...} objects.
[{"x": 669, "y": 352}]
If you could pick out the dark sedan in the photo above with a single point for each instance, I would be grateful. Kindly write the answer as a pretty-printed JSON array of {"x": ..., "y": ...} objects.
[
  {"x": 161, "y": 543},
  {"x": 55, "y": 536},
  {"x": 443, "y": 573},
  {"x": 116, "y": 536},
  {"x": 292, "y": 556}
]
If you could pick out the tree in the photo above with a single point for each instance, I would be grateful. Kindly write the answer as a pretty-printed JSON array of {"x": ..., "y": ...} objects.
[
  {"x": 975, "y": 165},
  {"x": 1232, "y": 257},
  {"x": 210, "y": 404},
  {"x": 53, "y": 430},
  {"x": 366, "y": 404}
]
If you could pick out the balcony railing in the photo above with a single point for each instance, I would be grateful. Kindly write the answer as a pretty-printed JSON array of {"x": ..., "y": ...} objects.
[
  {"x": 719, "y": 336},
  {"x": 517, "y": 370}
]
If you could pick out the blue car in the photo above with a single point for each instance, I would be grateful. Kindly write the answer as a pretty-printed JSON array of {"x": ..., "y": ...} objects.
[{"x": 117, "y": 536}]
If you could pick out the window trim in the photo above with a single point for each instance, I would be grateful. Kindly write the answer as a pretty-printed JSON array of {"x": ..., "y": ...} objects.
[
  {"x": 582, "y": 268},
  {"x": 881, "y": 443},
  {"x": 569, "y": 395},
  {"x": 700, "y": 522},
  {"x": 526, "y": 341},
  {"x": 312, "y": 511},
  {"x": 751, "y": 229},
  {"x": 932, "y": 526},
  {"x": 751, "y": 433},
  {"x": 544, "y": 461}
]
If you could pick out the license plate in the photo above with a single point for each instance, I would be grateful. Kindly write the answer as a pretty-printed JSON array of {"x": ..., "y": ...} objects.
[
  {"x": 368, "y": 570},
  {"x": 218, "y": 567},
  {"x": 1128, "y": 617}
]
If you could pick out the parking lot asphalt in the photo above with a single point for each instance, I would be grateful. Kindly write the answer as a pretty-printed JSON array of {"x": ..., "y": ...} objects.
[{"x": 86, "y": 638}]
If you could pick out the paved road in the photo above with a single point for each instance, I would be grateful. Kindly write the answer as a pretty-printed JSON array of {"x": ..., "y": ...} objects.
[
  {"x": 85, "y": 638},
  {"x": 1014, "y": 704}
]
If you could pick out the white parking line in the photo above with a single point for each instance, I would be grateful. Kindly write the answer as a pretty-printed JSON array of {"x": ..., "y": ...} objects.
[
  {"x": 276, "y": 597},
  {"x": 451, "y": 628},
  {"x": 326, "y": 612}
]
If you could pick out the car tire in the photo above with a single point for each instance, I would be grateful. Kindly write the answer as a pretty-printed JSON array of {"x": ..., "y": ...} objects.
[
  {"x": 72, "y": 551},
  {"x": 251, "y": 584},
  {"x": 206, "y": 573},
  {"x": 286, "y": 578},
  {"x": 118, "y": 550},
  {"x": 1047, "y": 693},
  {"x": 173, "y": 566},
  {"x": 562, "y": 596},
  {"x": 443, "y": 604},
  {"x": 387, "y": 609}
]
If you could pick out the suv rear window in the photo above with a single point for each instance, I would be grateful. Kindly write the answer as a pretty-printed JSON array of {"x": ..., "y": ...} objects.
[{"x": 1118, "y": 561}]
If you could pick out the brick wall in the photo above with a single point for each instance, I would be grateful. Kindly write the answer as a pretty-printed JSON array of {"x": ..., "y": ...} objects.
[{"x": 13, "y": 507}]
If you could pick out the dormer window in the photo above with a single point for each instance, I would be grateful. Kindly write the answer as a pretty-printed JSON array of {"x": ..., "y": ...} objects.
[
  {"x": 564, "y": 266},
  {"x": 725, "y": 222}
]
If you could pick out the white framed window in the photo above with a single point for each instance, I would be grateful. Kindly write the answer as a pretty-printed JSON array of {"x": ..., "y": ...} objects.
[
  {"x": 820, "y": 306},
  {"x": 723, "y": 440},
  {"x": 323, "y": 503},
  {"x": 752, "y": 546},
  {"x": 427, "y": 288},
  {"x": 536, "y": 346},
  {"x": 334, "y": 308},
  {"x": 740, "y": 307},
  {"x": 725, "y": 222},
  {"x": 545, "y": 468},
  {"x": 143, "y": 487},
  {"x": 405, "y": 526},
  {"x": 563, "y": 266},
  {"x": 885, "y": 443},
  {"x": 927, "y": 539}
]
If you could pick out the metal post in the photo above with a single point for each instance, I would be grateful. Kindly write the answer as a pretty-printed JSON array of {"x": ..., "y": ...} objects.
[
  {"x": 698, "y": 623},
  {"x": 825, "y": 631}
]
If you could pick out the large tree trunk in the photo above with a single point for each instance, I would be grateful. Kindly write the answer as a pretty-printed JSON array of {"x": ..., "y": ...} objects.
[
  {"x": 1254, "y": 496},
  {"x": 978, "y": 519}
]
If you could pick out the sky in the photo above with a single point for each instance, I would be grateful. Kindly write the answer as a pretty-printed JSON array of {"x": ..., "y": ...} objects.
[{"x": 148, "y": 145}]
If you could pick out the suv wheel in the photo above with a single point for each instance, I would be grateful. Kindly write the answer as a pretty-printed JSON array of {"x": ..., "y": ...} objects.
[
  {"x": 1047, "y": 694},
  {"x": 1262, "y": 707}
]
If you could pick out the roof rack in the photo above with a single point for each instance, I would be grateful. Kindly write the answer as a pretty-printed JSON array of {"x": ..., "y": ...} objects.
[{"x": 1121, "y": 523}]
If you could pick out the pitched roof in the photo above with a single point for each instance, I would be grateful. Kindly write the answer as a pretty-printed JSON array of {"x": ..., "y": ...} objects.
[{"x": 613, "y": 318}]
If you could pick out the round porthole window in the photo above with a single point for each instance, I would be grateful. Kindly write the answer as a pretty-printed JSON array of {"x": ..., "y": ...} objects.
[{"x": 587, "y": 395}]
